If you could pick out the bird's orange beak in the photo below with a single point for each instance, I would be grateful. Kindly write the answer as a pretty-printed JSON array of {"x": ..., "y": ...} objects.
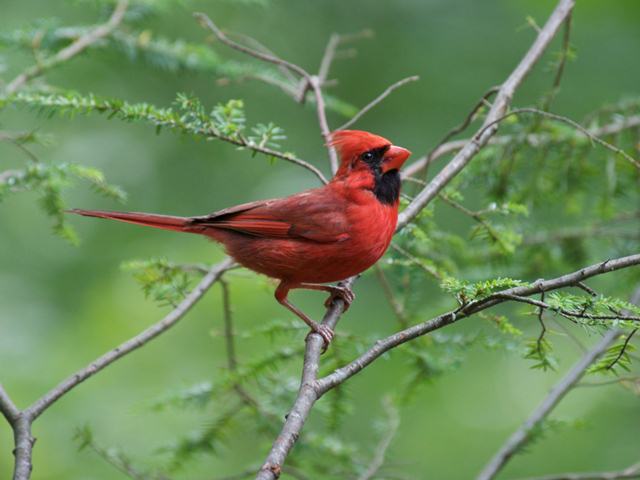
[{"x": 394, "y": 158}]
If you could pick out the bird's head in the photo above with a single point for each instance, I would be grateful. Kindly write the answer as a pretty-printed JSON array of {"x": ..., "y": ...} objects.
[{"x": 371, "y": 161}]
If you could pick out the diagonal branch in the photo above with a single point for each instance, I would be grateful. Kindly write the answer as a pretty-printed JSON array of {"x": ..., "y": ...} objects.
[
  {"x": 312, "y": 81},
  {"x": 77, "y": 47},
  {"x": 499, "y": 108},
  {"x": 377, "y": 100},
  {"x": 557, "y": 393},
  {"x": 568, "y": 382},
  {"x": 384, "y": 345},
  {"x": 132, "y": 344},
  {"x": 7, "y": 407}
]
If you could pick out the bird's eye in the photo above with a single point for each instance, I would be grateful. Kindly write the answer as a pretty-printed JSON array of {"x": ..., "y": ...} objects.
[{"x": 367, "y": 156}]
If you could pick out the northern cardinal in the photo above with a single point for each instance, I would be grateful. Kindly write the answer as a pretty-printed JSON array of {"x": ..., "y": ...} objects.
[{"x": 317, "y": 236}]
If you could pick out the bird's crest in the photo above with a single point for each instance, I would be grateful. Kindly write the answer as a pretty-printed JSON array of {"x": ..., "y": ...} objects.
[{"x": 350, "y": 143}]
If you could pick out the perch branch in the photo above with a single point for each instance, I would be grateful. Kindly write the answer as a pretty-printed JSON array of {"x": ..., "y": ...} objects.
[{"x": 311, "y": 389}]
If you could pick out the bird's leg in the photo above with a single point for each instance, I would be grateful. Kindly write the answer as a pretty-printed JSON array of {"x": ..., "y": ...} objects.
[
  {"x": 323, "y": 330},
  {"x": 343, "y": 293}
]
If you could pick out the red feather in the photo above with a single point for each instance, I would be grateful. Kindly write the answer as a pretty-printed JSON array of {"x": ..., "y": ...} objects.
[{"x": 317, "y": 236}]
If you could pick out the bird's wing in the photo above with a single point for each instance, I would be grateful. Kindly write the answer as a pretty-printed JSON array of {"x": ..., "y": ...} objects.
[{"x": 317, "y": 215}]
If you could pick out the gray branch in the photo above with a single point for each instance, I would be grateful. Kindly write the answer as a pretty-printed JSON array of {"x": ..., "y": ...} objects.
[
  {"x": 384, "y": 345},
  {"x": 498, "y": 109},
  {"x": 560, "y": 389},
  {"x": 72, "y": 50},
  {"x": 557, "y": 393},
  {"x": 21, "y": 421}
]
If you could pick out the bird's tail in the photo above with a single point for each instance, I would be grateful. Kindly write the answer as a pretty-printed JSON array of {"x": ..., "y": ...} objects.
[{"x": 165, "y": 222}]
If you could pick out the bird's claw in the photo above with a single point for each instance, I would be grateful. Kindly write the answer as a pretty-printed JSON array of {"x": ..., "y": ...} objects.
[
  {"x": 343, "y": 293},
  {"x": 325, "y": 332}
]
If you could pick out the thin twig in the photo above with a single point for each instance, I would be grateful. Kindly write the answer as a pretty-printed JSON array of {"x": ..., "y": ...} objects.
[
  {"x": 377, "y": 100},
  {"x": 312, "y": 80},
  {"x": 459, "y": 128},
  {"x": 533, "y": 139},
  {"x": 622, "y": 350},
  {"x": 557, "y": 393},
  {"x": 566, "y": 120},
  {"x": 560, "y": 389},
  {"x": 396, "y": 306},
  {"x": 132, "y": 344},
  {"x": 77, "y": 47},
  {"x": 566, "y": 46},
  {"x": 499, "y": 107}
]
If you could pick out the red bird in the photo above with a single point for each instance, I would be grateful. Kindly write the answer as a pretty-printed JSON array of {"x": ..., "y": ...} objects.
[{"x": 317, "y": 236}]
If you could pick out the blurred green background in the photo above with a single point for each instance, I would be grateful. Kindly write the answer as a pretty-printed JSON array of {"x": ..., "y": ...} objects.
[{"x": 62, "y": 306}]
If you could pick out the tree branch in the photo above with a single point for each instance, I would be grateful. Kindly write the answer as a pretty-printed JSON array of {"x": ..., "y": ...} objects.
[
  {"x": 499, "y": 107},
  {"x": 7, "y": 407},
  {"x": 311, "y": 80},
  {"x": 382, "y": 346},
  {"x": 377, "y": 100},
  {"x": 72, "y": 50},
  {"x": 307, "y": 396},
  {"x": 560, "y": 389},
  {"x": 557, "y": 393},
  {"x": 132, "y": 344}
]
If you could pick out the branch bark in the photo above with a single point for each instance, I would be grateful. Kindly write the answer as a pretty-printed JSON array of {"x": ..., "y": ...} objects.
[
  {"x": 498, "y": 109},
  {"x": 307, "y": 396},
  {"x": 384, "y": 345},
  {"x": 560, "y": 389},
  {"x": 21, "y": 421},
  {"x": 72, "y": 50},
  {"x": 557, "y": 393}
]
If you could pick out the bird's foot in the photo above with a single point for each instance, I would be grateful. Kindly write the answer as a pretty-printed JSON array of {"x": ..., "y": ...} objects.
[
  {"x": 325, "y": 332},
  {"x": 343, "y": 293}
]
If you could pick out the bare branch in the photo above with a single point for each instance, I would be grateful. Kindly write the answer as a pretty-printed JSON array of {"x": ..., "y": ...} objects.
[
  {"x": 500, "y": 106},
  {"x": 72, "y": 50},
  {"x": 311, "y": 80},
  {"x": 560, "y": 389},
  {"x": 132, "y": 344},
  {"x": 7, "y": 407},
  {"x": 382, "y": 346},
  {"x": 557, "y": 393},
  {"x": 377, "y": 100},
  {"x": 307, "y": 396}
]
